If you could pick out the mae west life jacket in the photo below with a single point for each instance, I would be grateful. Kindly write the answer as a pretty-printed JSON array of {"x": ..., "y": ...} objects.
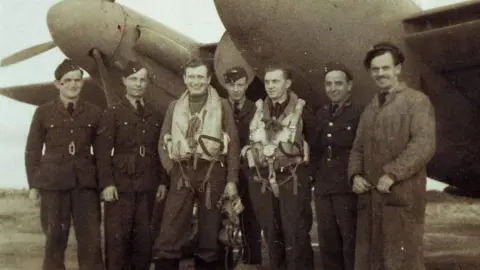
[
  {"x": 274, "y": 142},
  {"x": 210, "y": 141}
]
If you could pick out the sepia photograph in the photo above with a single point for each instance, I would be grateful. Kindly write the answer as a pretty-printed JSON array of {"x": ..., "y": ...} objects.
[{"x": 239, "y": 134}]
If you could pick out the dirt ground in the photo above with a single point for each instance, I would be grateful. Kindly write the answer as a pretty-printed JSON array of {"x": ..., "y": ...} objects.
[{"x": 452, "y": 234}]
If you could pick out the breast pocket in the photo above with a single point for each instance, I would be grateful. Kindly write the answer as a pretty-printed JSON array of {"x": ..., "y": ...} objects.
[
  {"x": 56, "y": 132},
  {"x": 153, "y": 131},
  {"x": 345, "y": 134},
  {"x": 125, "y": 132}
]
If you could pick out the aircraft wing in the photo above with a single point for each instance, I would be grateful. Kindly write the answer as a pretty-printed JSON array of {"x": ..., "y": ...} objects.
[{"x": 37, "y": 94}]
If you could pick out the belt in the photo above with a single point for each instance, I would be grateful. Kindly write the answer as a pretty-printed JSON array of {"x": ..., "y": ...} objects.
[
  {"x": 140, "y": 150},
  {"x": 70, "y": 150}
]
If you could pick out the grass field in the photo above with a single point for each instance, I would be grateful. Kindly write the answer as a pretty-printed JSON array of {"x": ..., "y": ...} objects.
[{"x": 452, "y": 233}]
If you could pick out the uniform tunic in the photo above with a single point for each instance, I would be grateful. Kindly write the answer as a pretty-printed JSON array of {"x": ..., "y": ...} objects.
[
  {"x": 251, "y": 229},
  {"x": 135, "y": 170},
  {"x": 66, "y": 178},
  {"x": 335, "y": 203},
  {"x": 396, "y": 138}
]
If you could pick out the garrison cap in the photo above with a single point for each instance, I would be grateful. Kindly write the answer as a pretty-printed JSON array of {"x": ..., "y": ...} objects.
[
  {"x": 331, "y": 66},
  {"x": 132, "y": 67},
  {"x": 235, "y": 73},
  {"x": 66, "y": 66}
]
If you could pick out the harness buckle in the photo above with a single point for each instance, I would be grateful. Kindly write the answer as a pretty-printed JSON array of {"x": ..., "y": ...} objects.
[
  {"x": 141, "y": 150},
  {"x": 71, "y": 148}
]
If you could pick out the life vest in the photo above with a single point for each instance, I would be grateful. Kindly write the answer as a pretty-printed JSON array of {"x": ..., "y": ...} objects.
[
  {"x": 274, "y": 142},
  {"x": 205, "y": 139},
  {"x": 209, "y": 140}
]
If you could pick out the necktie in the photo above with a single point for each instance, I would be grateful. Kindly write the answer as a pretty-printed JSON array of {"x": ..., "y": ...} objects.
[
  {"x": 382, "y": 97},
  {"x": 70, "y": 108},
  {"x": 334, "y": 109},
  {"x": 236, "y": 110},
  {"x": 140, "y": 108},
  {"x": 277, "y": 110}
]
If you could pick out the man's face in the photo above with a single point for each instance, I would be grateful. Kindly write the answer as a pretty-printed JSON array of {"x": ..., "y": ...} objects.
[
  {"x": 136, "y": 83},
  {"x": 384, "y": 71},
  {"x": 236, "y": 90},
  {"x": 196, "y": 79},
  {"x": 276, "y": 85},
  {"x": 337, "y": 86},
  {"x": 70, "y": 84}
]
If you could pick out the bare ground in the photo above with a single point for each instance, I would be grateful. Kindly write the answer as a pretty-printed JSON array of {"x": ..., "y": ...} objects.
[{"x": 452, "y": 234}]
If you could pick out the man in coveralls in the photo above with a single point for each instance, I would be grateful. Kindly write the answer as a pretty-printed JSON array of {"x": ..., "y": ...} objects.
[
  {"x": 236, "y": 79},
  {"x": 279, "y": 183},
  {"x": 395, "y": 140},
  {"x": 65, "y": 176},
  {"x": 199, "y": 148},
  {"x": 132, "y": 176},
  {"x": 335, "y": 202}
]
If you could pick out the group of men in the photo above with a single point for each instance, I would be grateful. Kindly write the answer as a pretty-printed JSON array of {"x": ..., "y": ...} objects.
[{"x": 367, "y": 168}]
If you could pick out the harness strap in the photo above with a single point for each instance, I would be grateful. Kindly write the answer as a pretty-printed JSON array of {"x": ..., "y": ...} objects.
[
  {"x": 206, "y": 186},
  {"x": 184, "y": 179},
  {"x": 293, "y": 177}
]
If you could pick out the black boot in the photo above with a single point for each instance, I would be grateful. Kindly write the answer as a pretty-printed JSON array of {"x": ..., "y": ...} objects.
[{"x": 166, "y": 264}]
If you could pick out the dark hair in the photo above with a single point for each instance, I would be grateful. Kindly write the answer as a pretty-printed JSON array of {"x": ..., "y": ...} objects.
[
  {"x": 287, "y": 74},
  {"x": 197, "y": 62},
  {"x": 382, "y": 48}
]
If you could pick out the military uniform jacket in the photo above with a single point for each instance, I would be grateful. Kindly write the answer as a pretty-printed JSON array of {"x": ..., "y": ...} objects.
[
  {"x": 242, "y": 121},
  {"x": 67, "y": 161},
  {"x": 133, "y": 165},
  {"x": 330, "y": 147}
]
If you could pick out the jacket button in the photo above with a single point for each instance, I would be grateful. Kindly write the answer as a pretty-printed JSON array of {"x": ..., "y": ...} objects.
[
  {"x": 329, "y": 135},
  {"x": 330, "y": 124},
  {"x": 71, "y": 130},
  {"x": 143, "y": 131}
]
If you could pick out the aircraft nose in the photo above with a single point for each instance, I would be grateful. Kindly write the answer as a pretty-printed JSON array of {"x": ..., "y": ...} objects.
[{"x": 78, "y": 26}]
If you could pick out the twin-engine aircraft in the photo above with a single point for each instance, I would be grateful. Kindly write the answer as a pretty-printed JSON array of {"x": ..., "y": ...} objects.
[{"x": 441, "y": 48}]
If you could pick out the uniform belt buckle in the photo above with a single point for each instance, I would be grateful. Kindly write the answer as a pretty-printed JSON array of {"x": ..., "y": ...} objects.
[
  {"x": 71, "y": 148},
  {"x": 141, "y": 150},
  {"x": 329, "y": 157}
]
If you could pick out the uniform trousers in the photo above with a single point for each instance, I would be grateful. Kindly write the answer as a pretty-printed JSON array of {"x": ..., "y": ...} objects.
[
  {"x": 57, "y": 209},
  {"x": 336, "y": 224}
]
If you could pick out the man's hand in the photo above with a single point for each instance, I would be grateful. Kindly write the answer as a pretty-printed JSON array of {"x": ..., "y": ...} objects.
[
  {"x": 110, "y": 193},
  {"x": 384, "y": 184},
  {"x": 34, "y": 195},
  {"x": 161, "y": 192},
  {"x": 231, "y": 189},
  {"x": 360, "y": 185}
]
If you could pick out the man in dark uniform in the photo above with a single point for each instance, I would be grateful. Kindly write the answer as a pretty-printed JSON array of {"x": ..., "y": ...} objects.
[
  {"x": 199, "y": 148},
  {"x": 131, "y": 177},
  {"x": 279, "y": 183},
  {"x": 64, "y": 176},
  {"x": 335, "y": 203},
  {"x": 236, "y": 79}
]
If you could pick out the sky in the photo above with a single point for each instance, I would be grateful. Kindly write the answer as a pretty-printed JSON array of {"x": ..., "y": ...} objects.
[{"x": 23, "y": 22}]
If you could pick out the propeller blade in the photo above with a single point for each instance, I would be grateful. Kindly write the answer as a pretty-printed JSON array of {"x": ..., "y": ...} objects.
[
  {"x": 27, "y": 53},
  {"x": 110, "y": 94}
]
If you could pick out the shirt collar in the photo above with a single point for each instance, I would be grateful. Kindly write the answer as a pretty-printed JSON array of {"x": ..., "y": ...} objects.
[
  {"x": 65, "y": 102},
  {"x": 239, "y": 102},
  {"x": 134, "y": 100}
]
